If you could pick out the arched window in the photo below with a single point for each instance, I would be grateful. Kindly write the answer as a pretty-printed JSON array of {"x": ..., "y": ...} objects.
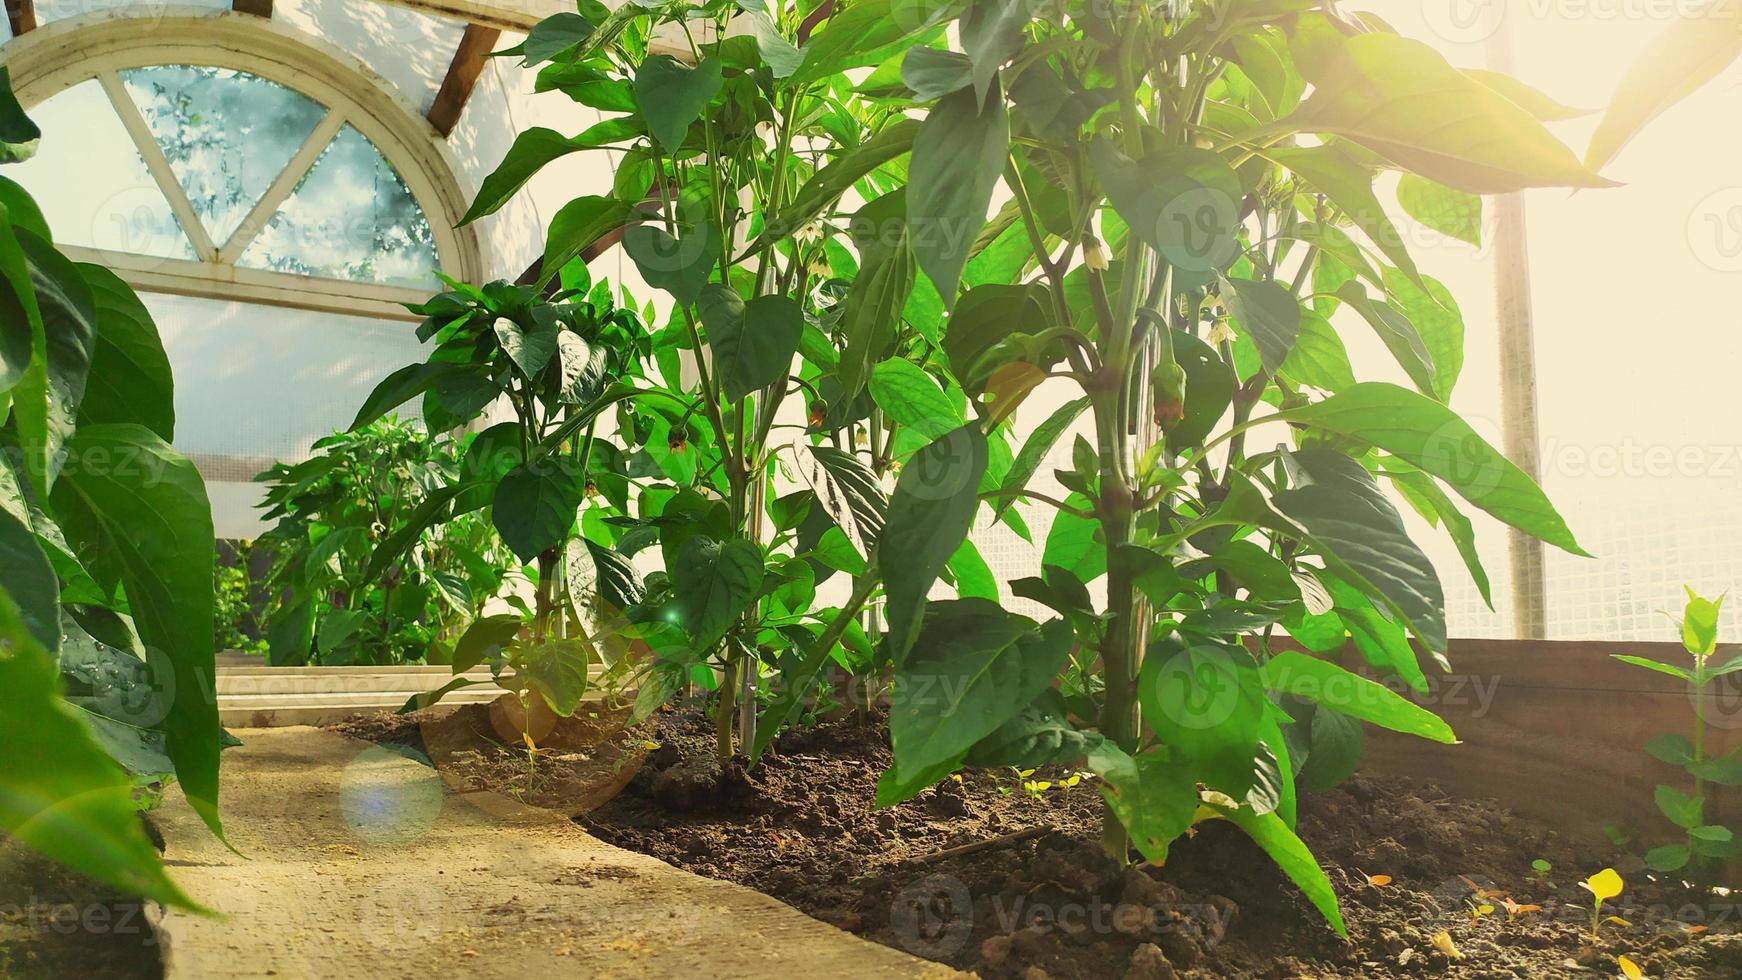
[{"x": 258, "y": 173}]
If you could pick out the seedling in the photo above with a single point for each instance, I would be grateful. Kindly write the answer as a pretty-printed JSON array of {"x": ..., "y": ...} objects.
[
  {"x": 1514, "y": 909},
  {"x": 1702, "y": 841},
  {"x": 1603, "y": 885},
  {"x": 1541, "y": 868}
]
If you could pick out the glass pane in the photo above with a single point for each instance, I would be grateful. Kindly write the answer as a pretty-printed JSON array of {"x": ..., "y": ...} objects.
[
  {"x": 227, "y": 134},
  {"x": 91, "y": 182},
  {"x": 351, "y": 217}
]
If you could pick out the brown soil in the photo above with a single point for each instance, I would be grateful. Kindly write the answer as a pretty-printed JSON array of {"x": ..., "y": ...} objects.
[
  {"x": 55, "y": 924},
  {"x": 1042, "y": 901}
]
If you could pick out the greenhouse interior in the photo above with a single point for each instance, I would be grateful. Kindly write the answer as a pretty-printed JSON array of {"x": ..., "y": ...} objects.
[{"x": 1135, "y": 489}]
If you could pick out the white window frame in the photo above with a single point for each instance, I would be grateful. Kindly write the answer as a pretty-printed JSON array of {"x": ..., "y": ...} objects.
[{"x": 57, "y": 56}]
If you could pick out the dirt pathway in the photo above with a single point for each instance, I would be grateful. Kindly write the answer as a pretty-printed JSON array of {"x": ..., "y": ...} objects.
[{"x": 362, "y": 864}]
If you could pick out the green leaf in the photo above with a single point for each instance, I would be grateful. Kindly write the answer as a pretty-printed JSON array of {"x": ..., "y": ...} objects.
[
  {"x": 1038, "y": 735},
  {"x": 1399, "y": 98},
  {"x": 933, "y": 73},
  {"x": 1436, "y": 319},
  {"x": 1398, "y": 334},
  {"x": 143, "y": 520},
  {"x": 1669, "y": 857},
  {"x": 1431, "y": 437},
  {"x": 974, "y": 578},
  {"x": 1353, "y": 695},
  {"x": 557, "y": 670},
  {"x": 399, "y": 388},
  {"x": 680, "y": 266},
  {"x": 46, "y": 401},
  {"x": 1318, "y": 357},
  {"x": 1292, "y": 856},
  {"x": 1711, "y": 833},
  {"x": 19, "y": 136},
  {"x": 1723, "y": 770},
  {"x": 1421, "y": 487},
  {"x": 1688, "y": 53},
  {"x": 672, "y": 95},
  {"x": 1205, "y": 699},
  {"x": 1336, "y": 742},
  {"x": 930, "y": 514},
  {"x": 534, "y": 505},
  {"x": 911, "y": 397},
  {"x": 991, "y": 33},
  {"x": 1184, "y": 203},
  {"x": 27, "y": 576},
  {"x": 1209, "y": 390},
  {"x": 847, "y": 492},
  {"x": 532, "y": 151},
  {"x": 1661, "y": 668},
  {"x": 486, "y": 639},
  {"x": 600, "y": 576},
  {"x": 1350, "y": 520},
  {"x": 753, "y": 343},
  {"x": 866, "y": 32},
  {"x": 1673, "y": 749},
  {"x": 1680, "y": 809},
  {"x": 988, "y": 321},
  {"x": 1268, "y": 314},
  {"x": 782, "y": 58},
  {"x": 973, "y": 666},
  {"x": 530, "y": 350},
  {"x": 1529, "y": 99},
  {"x": 60, "y": 794},
  {"x": 1447, "y": 211},
  {"x": 130, "y": 379},
  {"x": 960, "y": 150},
  {"x": 1155, "y": 795},
  {"x": 577, "y": 225},
  {"x": 1036, "y": 449},
  {"x": 552, "y": 36},
  {"x": 872, "y": 309},
  {"x": 714, "y": 584},
  {"x": 1074, "y": 543}
]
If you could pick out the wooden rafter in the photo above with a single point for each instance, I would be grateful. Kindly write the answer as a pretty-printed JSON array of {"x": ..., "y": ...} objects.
[
  {"x": 259, "y": 8},
  {"x": 469, "y": 60},
  {"x": 22, "y": 15},
  {"x": 514, "y": 15}
]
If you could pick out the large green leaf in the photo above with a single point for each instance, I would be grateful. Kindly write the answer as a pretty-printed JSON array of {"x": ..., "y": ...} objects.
[
  {"x": 399, "y": 388},
  {"x": 1326, "y": 683},
  {"x": 534, "y": 505},
  {"x": 1154, "y": 795},
  {"x": 1397, "y": 333},
  {"x": 930, "y": 514},
  {"x": 530, "y": 348},
  {"x": 912, "y": 398},
  {"x": 557, "y": 670},
  {"x": 577, "y": 225},
  {"x": 1209, "y": 390},
  {"x": 1436, "y": 319},
  {"x": 991, "y": 32},
  {"x": 1268, "y": 314},
  {"x": 486, "y": 639},
  {"x": 1035, "y": 451},
  {"x": 1399, "y": 98},
  {"x": 138, "y": 514},
  {"x": 1319, "y": 357},
  {"x": 1348, "y": 517},
  {"x": 933, "y": 73},
  {"x": 25, "y": 574},
  {"x": 1204, "y": 699},
  {"x": 1450, "y": 212},
  {"x": 973, "y": 667},
  {"x": 872, "y": 310},
  {"x": 1038, "y": 735},
  {"x": 714, "y": 584},
  {"x": 866, "y": 32},
  {"x": 1184, "y": 203},
  {"x": 828, "y": 184},
  {"x": 681, "y": 265},
  {"x": 20, "y": 319},
  {"x": 46, "y": 402},
  {"x": 847, "y": 492},
  {"x": 533, "y": 149},
  {"x": 1688, "y": 53},
  {"x": 60, "y": 794},
  {"x": 19, "y": 136},
  {"x": 960, "y": 150},
  {"x": 1431, "y": 437},
  {"x": 1291, "y": 855},
  {"x": 130, "y": 379},
  {"x": 753, "y": 343},
  {"x": 672, "y": 95},
  {"x": 1424, "y": 493}
]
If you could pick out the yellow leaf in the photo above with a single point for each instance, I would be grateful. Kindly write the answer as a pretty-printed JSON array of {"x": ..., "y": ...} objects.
[
  {"x": 1617, "y": 920},
  {"x": 1605, "y": 884},
  {"x": 529, "y": 742},
  {"x": 1378, "y": 881},
  {"x": 1629, "y": 969},
  {"x": 1443, "y": 943},
  {"x": 1484, "y": 910}
]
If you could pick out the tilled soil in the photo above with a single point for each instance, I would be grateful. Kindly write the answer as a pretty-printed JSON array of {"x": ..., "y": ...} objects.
[
  {"x": 1005, "y": 876},
  {"x": 56, "y": 924}
]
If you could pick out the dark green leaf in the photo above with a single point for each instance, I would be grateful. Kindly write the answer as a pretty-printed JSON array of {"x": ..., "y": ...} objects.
[
  {"x": 1351, "y": 694},
  {"x": 534, "y": 505},
  {"x": 753, "y": 343},
  {"x": 18, "y": 135},
  {"x": 1205, "y": 700},
  {"x": 130, "y": 379},
  {"x": 930, "y": 514},
  {"x": 1038, "y": 735},
  {"x": 27, "y": 576},
  {"x": 577, "y": 225},
  {"x": 672, "y": 95},
  {"x": 933, "y": 73},
  {"x": 715, "y": 583},
  {"x": 1268, "y": 314},
  {"x": 1036, "y": 449},
  {"x": 1154, "y": 795},
  {"x": 960, "y": 150},
  {"x": 486, "y": 639},
  {"x": 1184, "y": 203},
  {"x": 847, "y": 492}
]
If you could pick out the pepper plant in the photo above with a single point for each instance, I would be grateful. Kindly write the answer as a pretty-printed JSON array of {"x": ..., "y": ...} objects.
[
  {"x": 1702, "y": 841},
  {"x": 106, "y": 560},
  {"x": 332, "y": 509},
  {"x": 1192, "y": 186},
  {"x": 540, "y": 360}
]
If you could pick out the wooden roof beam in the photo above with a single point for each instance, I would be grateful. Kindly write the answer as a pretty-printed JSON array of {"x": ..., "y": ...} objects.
[
  {"x": 259, "y": 8},
  {"x": 504, "y": 15},
  {"x": 22, "y": 16},
  {"x": 469, "y": 60}
]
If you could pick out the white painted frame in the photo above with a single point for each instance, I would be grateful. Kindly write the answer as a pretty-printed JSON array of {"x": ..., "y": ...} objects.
[{"x": 62, "y": 54}]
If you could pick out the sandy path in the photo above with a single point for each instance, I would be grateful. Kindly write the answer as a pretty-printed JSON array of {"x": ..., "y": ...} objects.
[{"x": 362, "y": 864}]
